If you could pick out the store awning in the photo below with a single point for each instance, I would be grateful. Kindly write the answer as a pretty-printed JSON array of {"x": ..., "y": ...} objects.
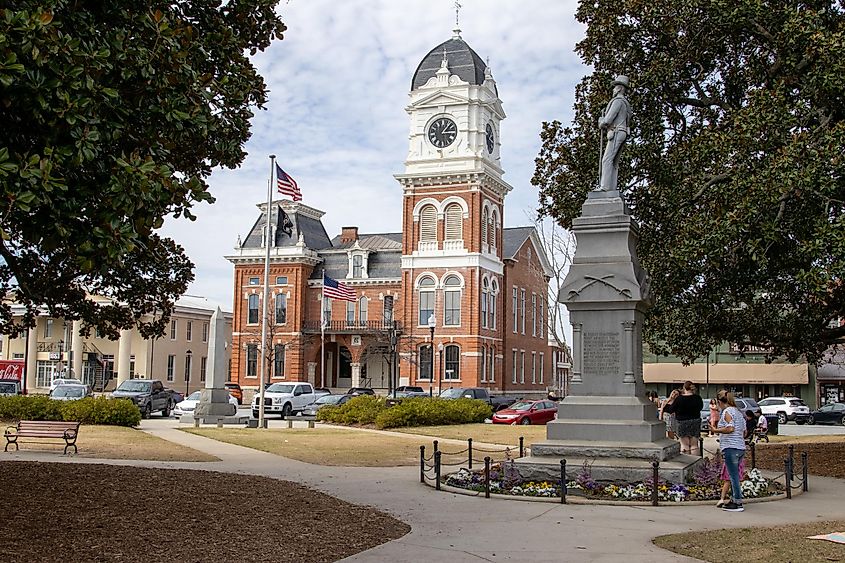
[
  {"x": 834, "y": 369},
  {"x": 792, "y": 374}
]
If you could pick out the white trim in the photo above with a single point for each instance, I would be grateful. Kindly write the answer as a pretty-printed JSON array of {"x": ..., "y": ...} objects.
[
  {"x": 454, "y": 199},
  {"x": 442, "y": 260},
  {"x": 422, "y": 203}
]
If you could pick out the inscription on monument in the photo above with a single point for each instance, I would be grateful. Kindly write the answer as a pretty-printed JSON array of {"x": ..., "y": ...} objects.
[{"x": 601, "y": 353}]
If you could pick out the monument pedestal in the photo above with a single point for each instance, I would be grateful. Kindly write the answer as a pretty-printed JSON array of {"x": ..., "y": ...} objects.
[{"x": 606, "y": 421}]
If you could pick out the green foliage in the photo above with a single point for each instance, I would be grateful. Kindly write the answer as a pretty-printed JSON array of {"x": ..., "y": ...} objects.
[
  {"x": 363, "y": 409},
  {"x": 424, "y": 411},
  {"x": 734, "y": 168},
  {"x": 112, "y": 116},
  {"x": 91, "y": 410}
]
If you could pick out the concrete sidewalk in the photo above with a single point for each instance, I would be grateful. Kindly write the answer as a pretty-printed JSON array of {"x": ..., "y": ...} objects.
[{"x": 460, "y": 528}]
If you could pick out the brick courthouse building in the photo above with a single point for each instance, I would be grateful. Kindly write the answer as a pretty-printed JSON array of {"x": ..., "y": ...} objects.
[{"x": 482, "y": 287}]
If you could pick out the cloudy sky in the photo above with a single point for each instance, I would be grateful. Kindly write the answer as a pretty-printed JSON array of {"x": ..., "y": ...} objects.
[{"x": 336, "y": 118}]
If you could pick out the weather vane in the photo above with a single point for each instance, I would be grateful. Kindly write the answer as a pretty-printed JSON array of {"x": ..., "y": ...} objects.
[{"x": 457, "y": 13}]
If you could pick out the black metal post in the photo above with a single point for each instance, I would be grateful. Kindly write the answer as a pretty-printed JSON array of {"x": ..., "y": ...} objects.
[
  {"x": 700, "y": 446},
  {"x": 521, "y": 446},
  {"x": 487, "y": 476},
  {"x": 655, "y": 465},
  {"x": 436, "y": 447},
  {"x": 422, "y": 464},
  {"x": 791, "y": 450},
  {"x": 437, "y": 470},
  {"x": 469, "y": 446},
  {"x": 787, "y": 477},
  {"x": 804, "y": 471},
  {"x": 440, "y": 368},
  {"x": 431, "y": 374},
  {"x": 753, "y": 456},
  {"x": 563, "y": 481}
]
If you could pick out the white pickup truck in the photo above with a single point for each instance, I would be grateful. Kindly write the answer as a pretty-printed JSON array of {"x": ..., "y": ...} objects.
[{"x": 285, "y": 399}]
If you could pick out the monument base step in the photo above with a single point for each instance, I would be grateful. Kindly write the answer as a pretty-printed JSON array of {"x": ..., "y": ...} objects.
[
  {"x": 547, "y": 468},
  {"x": 661, "y": 450}
]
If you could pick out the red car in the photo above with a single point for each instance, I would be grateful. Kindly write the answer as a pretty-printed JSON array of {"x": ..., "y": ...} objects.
[{"x": 527, "y": 412}]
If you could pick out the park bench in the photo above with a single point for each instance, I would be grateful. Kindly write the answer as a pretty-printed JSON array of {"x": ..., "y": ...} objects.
[
  {"x": 67, "y": 431},
  {"x": 309, "y": 419}
]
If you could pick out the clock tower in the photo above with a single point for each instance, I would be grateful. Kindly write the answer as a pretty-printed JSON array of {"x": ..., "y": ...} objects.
[{"x": 453, "y": 198}]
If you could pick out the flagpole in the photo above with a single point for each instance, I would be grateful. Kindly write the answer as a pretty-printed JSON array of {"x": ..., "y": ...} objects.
[
  {"x": 264, "y": 356},
  {"x": 323, "y": 332}
]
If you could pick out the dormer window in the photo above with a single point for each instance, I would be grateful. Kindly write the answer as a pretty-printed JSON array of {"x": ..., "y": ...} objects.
[
  {"x": 357, "y": 266},
  {"x": 358, "y": 258}
]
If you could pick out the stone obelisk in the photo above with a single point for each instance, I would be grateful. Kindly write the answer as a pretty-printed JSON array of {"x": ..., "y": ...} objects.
[
  {"x": 214, "y": 405},
  {"x": 606, "y": 420}
]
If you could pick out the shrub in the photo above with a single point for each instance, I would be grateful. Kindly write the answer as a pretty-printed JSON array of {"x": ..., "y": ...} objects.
[
  {"x": 424, "y": 411},
  {"x": 99, "y": 410},
  {"x": 359, "y": 410}
]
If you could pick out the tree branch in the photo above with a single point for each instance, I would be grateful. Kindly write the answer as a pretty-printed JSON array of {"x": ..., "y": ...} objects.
[{"x": 717, "y": 179}]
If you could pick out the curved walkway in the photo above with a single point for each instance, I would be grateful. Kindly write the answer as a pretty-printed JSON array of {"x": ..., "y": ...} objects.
[{"x": 449, "y": 527}]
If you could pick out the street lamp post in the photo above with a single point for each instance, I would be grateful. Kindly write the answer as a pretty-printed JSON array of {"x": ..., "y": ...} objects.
[
  {"x": 432, "y": 322},
  {"x": 188, "y": 361}
]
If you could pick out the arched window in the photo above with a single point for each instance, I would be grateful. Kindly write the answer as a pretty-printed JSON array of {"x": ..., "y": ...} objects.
[
  {"x": 485, "y": 288},
  {"x": 252, "y": 309},
  {"x": 426, "y": 288},
  {"x": 363, "y": 306},
  {"x": 485, "y": 218},
  {"x": 452, "y": 301},
  {"x": 428, "y": 223},
  {"x": 452, "y": 370},
  {"x": 424, "y": 362},
  {"x": 492, "y": 296},
  {"x": 454, "y": 222},
  {"x": 350, "y": 313},
  {"x": 491, "y": 228},
  {"x": 281, "y": 309}
]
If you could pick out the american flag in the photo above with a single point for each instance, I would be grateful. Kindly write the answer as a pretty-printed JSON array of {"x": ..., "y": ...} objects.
[
  {"x": 287, "y": 185},
  {"x": 333, "y": 289}
]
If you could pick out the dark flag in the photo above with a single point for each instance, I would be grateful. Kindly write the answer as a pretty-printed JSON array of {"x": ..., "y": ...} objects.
[{"x": 284, "y": 224}]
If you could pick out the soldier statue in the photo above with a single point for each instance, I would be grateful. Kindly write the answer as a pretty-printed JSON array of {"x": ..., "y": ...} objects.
[{"x": 615, "y": 122}]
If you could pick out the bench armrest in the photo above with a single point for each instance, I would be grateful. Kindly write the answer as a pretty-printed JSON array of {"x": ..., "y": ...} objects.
[
  {"x": 70, "y": 433},
  {"x": 11, "y": 430}
]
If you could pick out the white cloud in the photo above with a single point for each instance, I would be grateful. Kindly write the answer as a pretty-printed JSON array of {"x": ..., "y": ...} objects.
[{"x": 336, "y": 116}]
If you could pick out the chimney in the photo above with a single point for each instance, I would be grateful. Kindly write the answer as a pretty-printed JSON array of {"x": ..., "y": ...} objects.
[{"x": 348, "y": 234}]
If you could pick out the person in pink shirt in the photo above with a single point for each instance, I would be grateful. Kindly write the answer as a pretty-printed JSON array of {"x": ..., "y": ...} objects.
[{"x": 714, "y": 414}]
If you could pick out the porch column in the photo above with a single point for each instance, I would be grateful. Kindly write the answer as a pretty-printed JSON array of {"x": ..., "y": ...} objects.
[
  {"x": 124, "y": 350},
  {"x": 356, "y": 374},
  {"x": 31, "y": 358},
  {"x": 76, "y": 348}
]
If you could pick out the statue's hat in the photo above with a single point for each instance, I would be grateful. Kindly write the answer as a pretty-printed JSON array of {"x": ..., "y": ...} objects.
[{"x": 621, "y": 80}]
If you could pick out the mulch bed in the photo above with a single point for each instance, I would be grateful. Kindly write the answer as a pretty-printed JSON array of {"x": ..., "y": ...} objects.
[
  {"x": 826, "y": 459},
  {"x": 87, "y": 512}
]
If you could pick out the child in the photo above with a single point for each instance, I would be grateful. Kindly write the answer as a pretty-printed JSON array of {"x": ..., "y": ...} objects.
[{"x": 714, "y": 414}]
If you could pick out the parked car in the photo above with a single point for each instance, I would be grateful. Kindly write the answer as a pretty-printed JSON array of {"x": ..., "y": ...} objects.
[
  {"x": 410, "y": 391},
  {"x": 235, "y": 391},
  {"x": 285, "y": 399},
  {"x": 70, "y": 392},
  {"x": 320, "y": 391},
  {"x": 190, "y": 404},
  {"x": 149, "y": 394},
  {"x": 479, "y": 393},
  {"x": 831, "y": 413},
  {"x": 786, "y": 408},
  {"x": 64, "y": 381},
  {"x": 324, "y": 400},
  {"x": 360, "y": 391},
  {"x": 527, "y": 412},
  {"x": 10, "y": 387}
]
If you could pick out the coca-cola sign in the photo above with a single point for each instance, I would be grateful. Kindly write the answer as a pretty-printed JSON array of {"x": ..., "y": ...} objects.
[{"x": 11, "y": 369}]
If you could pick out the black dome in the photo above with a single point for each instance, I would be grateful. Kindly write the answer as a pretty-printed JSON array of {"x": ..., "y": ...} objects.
[{"x": 463, "y": 61}]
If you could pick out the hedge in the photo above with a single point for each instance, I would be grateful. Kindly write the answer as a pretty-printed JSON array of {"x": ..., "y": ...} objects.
[
  {"x": 90, "y": 410},
  {"x": 415, "y": 411}
]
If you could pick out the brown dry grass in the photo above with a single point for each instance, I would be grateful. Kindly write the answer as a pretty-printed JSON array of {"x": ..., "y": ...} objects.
[
  {"x": 768, "y": 544},
  {"x": 323, "y": 446},
  {"x": 117, "y": 442},
  {"x": 75, "y": 512},
  {"x": 504, "y": 434},
  {"x": 779, "y": 439}
]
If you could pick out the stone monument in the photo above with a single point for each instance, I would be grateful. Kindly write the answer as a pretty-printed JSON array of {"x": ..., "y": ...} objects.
[
  {"x": 214, "y": 406},
  {"x": 606, "y": 421}
]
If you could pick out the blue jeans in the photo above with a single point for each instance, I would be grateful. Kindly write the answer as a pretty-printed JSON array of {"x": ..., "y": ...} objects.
[{"x": 732, "y": 458}]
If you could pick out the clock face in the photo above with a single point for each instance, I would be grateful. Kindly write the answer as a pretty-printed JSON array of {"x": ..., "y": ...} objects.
[
  {"x": 491, "y": 140},
  {"x": 442, "y": 132}
]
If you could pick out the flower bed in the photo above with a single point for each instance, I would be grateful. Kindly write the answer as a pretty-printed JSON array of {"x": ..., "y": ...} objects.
[{"x": 703, "y": 486}]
